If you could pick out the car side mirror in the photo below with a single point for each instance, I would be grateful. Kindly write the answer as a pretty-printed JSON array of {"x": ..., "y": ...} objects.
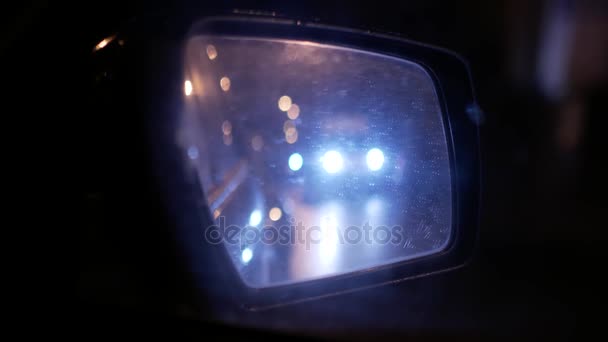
[{"x": 316, "y": 160}]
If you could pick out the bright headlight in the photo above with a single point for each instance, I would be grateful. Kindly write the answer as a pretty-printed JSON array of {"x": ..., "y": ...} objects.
[
  {"x": 332, "y": 161},
  {"x": 375, "y": 159}
]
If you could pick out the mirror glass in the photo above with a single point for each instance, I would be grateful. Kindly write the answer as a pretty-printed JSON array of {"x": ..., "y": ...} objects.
[{"x": 315, "y": 160}]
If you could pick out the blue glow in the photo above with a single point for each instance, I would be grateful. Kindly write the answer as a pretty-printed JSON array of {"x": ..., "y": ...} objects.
[
  {"x": 192, "y": 152},
  {"x": 295, "y": 162},
  {"x": 375, "y": 159},
  {"x": 332, "y": 161},
  {"x": 255, "y": 218},
  {"x": 246, "y": 255}
]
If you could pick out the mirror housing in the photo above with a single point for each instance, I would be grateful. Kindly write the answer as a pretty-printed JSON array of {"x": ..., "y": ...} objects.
[{"x": 187, "y": 202}]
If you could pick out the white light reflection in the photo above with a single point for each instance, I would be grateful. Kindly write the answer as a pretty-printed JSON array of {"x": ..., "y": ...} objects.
[
  {"x": 188, "y": 88},
  {"x": 225, "y": 83},
  {"x": 255, "y": 218},
  {"x": 104, "y": 43},
  {"x": 329, "y": 239},
  {"x": 246, "y": 255},
  {"x": 295, "y": 161},
  {"x": 332, "y": 161},
  {"x": 192, "y": 152},
  {"x": 226, "y": 127},
  {"x": 375, "y": 159},
  {"x": 319, "y": 253},
  {"x": 211, "y": 52}
]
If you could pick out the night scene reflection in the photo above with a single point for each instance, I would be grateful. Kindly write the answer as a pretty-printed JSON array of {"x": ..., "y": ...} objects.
[{"x": 323, "y": 144}]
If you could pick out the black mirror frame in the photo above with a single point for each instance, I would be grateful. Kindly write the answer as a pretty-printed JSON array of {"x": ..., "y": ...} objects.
[{"x": 461, "y": 116}]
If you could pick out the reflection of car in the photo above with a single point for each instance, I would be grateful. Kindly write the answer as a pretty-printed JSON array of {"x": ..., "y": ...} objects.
[{"x": 346, "y": 171}]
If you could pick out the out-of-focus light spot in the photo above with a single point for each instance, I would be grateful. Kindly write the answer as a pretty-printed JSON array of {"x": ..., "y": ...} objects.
[
  {"x": 246, "y": 255},
  {"x": 121, "y": 42},
  {"x": 227, "y": 140},
  {"x": 216, "y": 214},
  {"x": 257, "y": 143},
  {"x": 104, "y": 43},
  {"x": 284, "y": 103},
  {"x": 225, "y": 83},
  {"x": 291, "y": 136},
  {"x": 211, "y": 52},
  {"x": 192, "y": 152},
  {"x": 226, "y": 127},
  {"x": 293, "y": 112},
  {"x": 288, "y": 125},
  {"x": 332, "y": 161},
  {"x": 255, "y": 218},
  {"x": 188, "y": 88},
  {"x": 275, "y": 214},
  {"x": 375, "y": 159},
  {"x": 295, "y": 162},
  {"x": 291, "y": 131}
]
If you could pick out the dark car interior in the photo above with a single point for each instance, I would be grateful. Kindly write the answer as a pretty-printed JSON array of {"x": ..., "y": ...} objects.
[{"x": 540, "y": 74}]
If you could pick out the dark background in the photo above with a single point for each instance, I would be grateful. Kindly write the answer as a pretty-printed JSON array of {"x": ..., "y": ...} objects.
[{"x": 540, "y": 71}]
